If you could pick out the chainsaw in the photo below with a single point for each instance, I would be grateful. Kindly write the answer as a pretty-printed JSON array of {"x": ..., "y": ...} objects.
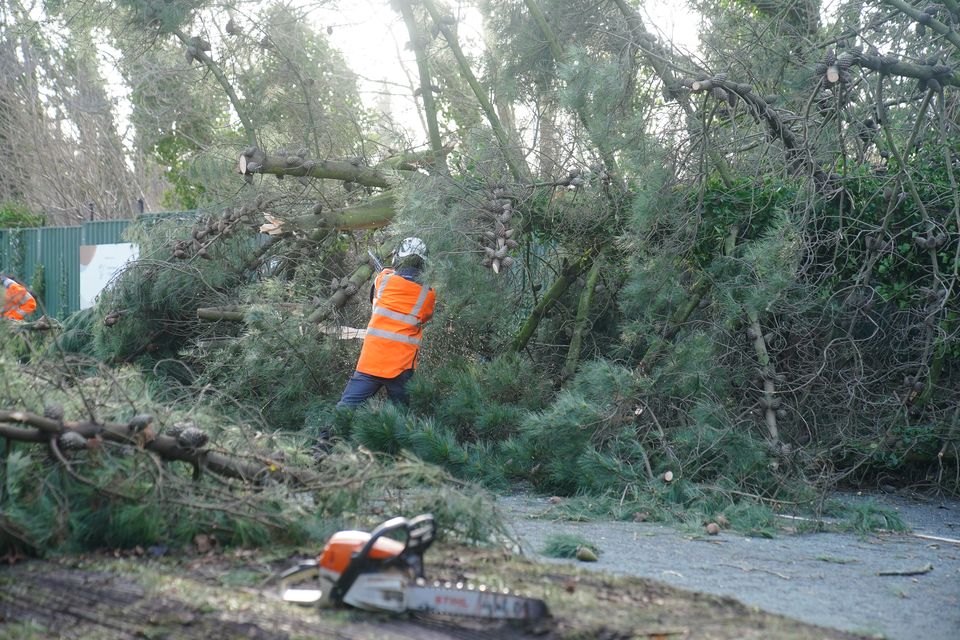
[{"x": 374, "y": 572}]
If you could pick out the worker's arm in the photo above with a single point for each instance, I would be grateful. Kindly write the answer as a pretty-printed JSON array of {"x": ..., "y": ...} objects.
[
  {"x": 428, "y": 305},
  {"x": 28, "y": 304}
]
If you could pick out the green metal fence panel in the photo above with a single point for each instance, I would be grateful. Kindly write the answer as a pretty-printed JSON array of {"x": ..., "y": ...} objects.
[
  {"x": 47, "y": 259},
  {"x": 60, "y": 256},
  {"x": 104, "y": 231}
]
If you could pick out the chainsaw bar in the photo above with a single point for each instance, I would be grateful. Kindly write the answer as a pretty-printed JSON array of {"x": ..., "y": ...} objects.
[{"x": 477, "y": 602}]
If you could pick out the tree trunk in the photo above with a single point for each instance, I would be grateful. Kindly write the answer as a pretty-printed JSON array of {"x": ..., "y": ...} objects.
[
  {"x": 517, "y": 170},
  {"x": 583, "y": 317},
  {"x": 417, "y": 39},
  {"x": 550, "y": 298}
]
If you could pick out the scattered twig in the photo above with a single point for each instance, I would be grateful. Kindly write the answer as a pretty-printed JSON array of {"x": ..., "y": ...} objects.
[{"x": 927, "y": 568}]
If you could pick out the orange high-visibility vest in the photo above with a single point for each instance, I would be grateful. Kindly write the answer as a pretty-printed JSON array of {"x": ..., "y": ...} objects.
[
  {"x": 17, "y": 301},
  {"x": 400, "y": 308}
]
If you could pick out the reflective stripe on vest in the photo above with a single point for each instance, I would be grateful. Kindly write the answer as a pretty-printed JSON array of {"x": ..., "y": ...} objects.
[
  {"x": 383, "y": 285},
  {"x": 420, "y": 300},
  {"x": 400, "y": 317},
  {"x": 390, "y": 335}
]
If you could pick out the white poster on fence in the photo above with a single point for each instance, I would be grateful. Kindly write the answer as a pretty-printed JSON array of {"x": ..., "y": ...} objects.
[{"x": 99, "y": 263}]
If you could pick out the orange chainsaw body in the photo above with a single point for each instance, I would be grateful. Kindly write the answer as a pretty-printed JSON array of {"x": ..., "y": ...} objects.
[{"x": 343, "y": 546}]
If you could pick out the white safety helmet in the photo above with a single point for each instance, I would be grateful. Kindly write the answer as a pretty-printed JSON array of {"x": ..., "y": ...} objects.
[{"x": 412, "y": 247}]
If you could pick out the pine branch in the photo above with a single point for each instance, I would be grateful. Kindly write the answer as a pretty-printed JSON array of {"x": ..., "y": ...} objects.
[
  {"x": 660, "y": 60},
  {"x": 923, "y": 18},
  {"x": 609, "y": 161},
  {"x": 201, "y": 55}
]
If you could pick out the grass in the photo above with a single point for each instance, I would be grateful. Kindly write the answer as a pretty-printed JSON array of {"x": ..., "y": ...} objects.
[
  {"x": 565, "y": 545},
  {"x": 869, "y": 516},
  {"x": 862, "y": 518}
]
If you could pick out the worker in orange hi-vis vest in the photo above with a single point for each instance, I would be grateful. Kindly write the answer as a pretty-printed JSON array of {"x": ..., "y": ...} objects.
[
  {"x": 402, "y": 303},
  {"x": 15, "y": 300}
]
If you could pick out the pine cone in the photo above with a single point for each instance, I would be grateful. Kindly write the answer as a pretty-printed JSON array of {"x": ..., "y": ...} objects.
[
  {"x": 192, "y": 438},
  {"x": 71, "y": 441},
  {"x": 178, "y": 428},
  {"x": 54, "y": 411},
  {"x": 139, "y": 422}
]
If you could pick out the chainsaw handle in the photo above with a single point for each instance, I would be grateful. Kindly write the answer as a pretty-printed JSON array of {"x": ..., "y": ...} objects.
[
  {"x": 420, "y": 532},
  {"x": 393, "y": 524},
  {"x": 304, "y": 569}
]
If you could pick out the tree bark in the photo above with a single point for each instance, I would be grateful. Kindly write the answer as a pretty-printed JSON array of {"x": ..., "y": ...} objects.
[
  {"x": 232, "y": 313},
  {"x": 374, "y": 213}
]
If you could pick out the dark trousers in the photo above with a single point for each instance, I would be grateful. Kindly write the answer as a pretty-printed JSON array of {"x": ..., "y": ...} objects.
[{"x": 362, "y": 386}]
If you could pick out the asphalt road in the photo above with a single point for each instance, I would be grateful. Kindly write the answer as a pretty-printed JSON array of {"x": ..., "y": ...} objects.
[{"x": 829, "y": 579}]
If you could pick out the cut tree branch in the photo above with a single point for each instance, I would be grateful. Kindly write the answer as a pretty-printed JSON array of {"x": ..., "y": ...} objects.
[
  {"x": 253, "y": 160},
  {"x": 374, "y": 213}
]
